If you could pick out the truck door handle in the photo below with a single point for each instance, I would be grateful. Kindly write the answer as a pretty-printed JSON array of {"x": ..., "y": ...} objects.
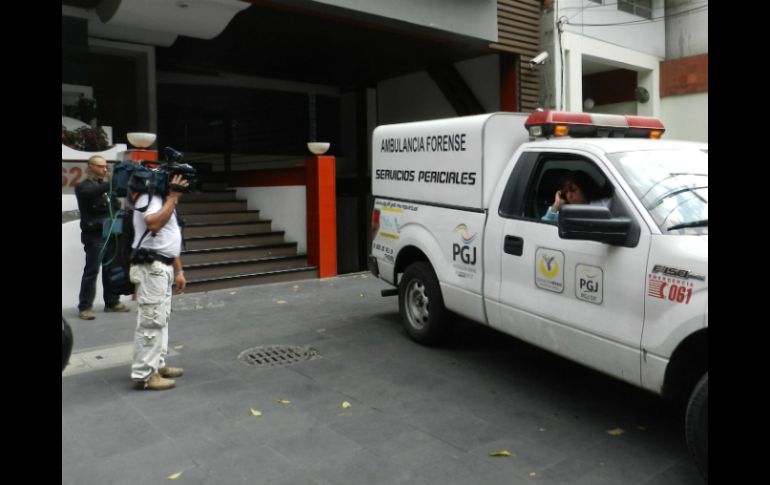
[{"x": 513, "y": 245}]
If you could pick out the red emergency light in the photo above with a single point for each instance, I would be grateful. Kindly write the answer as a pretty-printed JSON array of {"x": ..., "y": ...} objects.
[{"x": 561, "y": 123}]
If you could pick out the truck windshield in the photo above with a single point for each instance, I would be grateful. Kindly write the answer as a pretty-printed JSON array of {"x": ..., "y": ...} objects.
[{"x": 672, "y": 185}]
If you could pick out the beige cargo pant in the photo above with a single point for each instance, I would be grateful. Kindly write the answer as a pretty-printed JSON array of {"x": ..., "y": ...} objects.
[{"x": 153, "y": 295}]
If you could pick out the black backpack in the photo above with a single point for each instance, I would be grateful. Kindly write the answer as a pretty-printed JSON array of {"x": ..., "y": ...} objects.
[
  {"x": 118, "y": 231},
  {"x": 116, "y": 260}
]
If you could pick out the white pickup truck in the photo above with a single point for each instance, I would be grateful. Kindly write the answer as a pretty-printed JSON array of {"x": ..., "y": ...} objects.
[{"x": 617, "y": 283}]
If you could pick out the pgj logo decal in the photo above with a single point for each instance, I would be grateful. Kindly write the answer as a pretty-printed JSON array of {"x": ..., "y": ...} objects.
[
  {"x": 464, "y": 251},
  {"x": 589, "y": 283},
  {"x": 462, "y": 229},
  {"x": 549, "y": 274}
]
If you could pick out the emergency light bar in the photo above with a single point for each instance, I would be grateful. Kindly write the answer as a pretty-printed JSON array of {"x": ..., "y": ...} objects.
[{"x": 561, "y": 123}]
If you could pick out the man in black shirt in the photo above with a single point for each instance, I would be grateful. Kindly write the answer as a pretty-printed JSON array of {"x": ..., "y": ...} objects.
[{"x": 93, "y": 203}]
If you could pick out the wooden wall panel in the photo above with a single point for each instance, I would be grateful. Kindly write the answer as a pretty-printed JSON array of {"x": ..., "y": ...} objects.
[{"x": 518, "y": 25}]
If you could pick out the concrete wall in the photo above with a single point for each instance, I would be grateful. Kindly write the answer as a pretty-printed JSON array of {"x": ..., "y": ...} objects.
[
  {"x": 483, "y": 77},
  {"x": 578, "y": 47},
  {"x": 626, "y": 108},
  {"x": 416, "y": 97},
  {"x": 686, "y": 117},
  {"x": 647, "y": 37},
  {"x": 284, "y": 205},
  {"x": 687, "y": 31},
  {"x": 410, "y": 98},
  {"x": 346, "y": 165},
  {"x": 477, "y": 18}
]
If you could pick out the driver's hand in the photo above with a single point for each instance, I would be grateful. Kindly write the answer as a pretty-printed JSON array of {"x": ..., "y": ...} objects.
[{"x": 557, "y": 202}]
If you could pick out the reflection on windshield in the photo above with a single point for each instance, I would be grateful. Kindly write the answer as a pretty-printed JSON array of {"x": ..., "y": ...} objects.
[{"x": 671, "y": 184}]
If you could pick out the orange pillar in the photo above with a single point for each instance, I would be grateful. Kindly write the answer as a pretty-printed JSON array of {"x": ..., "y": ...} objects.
[
  {"x": 140, "y": 155},
  {"x": 321, "y": 197}
]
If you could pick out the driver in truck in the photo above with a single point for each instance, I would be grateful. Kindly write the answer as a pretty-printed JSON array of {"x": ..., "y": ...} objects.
[{"x": 575, "y": 187}]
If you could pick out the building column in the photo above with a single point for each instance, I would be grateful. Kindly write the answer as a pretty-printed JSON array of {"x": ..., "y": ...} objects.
[
  {"x": 321, "y": 200},
  {"x": 574, "y": 79},
  {"x": 649, "y": 80}
]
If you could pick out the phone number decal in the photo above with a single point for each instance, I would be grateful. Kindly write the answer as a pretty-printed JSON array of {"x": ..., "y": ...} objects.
[{"x": 669, "y": 289}]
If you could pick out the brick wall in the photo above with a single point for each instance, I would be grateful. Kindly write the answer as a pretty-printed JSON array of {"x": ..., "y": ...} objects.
[{"x": 687, "y": 75}]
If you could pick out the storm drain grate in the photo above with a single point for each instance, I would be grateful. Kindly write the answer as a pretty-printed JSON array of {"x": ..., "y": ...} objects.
[{"x": 276, "y": 355}]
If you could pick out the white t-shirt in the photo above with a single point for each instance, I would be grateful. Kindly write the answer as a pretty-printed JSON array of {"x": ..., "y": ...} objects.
[{"x": 168, "y": 241}]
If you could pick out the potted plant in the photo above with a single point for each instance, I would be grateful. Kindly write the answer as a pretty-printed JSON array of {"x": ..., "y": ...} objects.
[{"x": 85, "y": 139}]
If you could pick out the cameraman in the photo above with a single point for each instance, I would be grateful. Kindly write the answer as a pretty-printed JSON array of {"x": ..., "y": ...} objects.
[
  {"x": 93, "y": 203},
  {"x": 155, "y": 267}
]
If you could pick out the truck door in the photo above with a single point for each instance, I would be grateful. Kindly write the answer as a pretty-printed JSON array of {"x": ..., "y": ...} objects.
[{"x": 581, "y": 299}]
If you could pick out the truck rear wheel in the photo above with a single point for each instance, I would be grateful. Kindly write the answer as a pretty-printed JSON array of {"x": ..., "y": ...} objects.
[
  {"x": 697, "y": 425},
  {"x": 421, "y": 304}
]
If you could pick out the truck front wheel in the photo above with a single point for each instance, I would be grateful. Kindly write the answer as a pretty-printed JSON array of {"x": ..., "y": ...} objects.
[
  {"x": 697, "y": 425},
  {"x": 423, "y": 313}
]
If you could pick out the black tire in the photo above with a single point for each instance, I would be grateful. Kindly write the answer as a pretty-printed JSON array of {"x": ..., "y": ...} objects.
[
  {"x": 425, "y": 318},
  {"x": 697, "y": 425},
  {"x": 66, "y": 343}
]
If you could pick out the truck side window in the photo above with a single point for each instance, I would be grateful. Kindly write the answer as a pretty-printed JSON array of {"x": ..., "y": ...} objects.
[{"x": 549, "y": 175}]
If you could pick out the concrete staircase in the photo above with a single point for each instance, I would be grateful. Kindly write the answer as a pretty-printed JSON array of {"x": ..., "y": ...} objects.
[{"x": 229, "y": 246}]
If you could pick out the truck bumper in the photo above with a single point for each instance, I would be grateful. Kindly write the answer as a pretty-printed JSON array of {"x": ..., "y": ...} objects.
[{"x": 373, "y": 266}]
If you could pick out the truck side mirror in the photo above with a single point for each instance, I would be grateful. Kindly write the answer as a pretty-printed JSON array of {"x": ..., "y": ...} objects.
[{"x": 593, "y": 223}]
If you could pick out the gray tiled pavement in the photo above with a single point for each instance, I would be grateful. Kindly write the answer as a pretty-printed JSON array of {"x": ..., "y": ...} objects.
[{"x": 418, "y": 415}]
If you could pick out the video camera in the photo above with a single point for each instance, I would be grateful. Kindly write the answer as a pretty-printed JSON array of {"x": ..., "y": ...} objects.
[
  {"x": 174, "y": 166},
  {"x": 158, "y": 176}
]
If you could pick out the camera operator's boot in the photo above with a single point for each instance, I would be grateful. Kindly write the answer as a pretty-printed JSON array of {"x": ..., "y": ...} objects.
[
  {"x": 169, "y": 371},
  {"x": 158, "y": 383}
]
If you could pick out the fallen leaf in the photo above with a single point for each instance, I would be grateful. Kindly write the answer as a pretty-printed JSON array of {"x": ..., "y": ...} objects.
[
  {"x": 615, "y": 432},
  {"x": 179, "y": 347},
  {"x": 254, "y": 412},
  {"x": 361, "y": 295},
  {"x": 345, "y": 405},
  {"x": 363, "y": 276},
  {"x": 500, "y": 453},
  {"x": 280, "y": 302},
  {"x": 284, "y": 401},
  {"x": 174, "y": 476},
  {"x": 233, "y": 292},
  {"x": 542, "y": 430},
  {"x": 295, "y": 287},
  {"x": 532, "y": 474}
]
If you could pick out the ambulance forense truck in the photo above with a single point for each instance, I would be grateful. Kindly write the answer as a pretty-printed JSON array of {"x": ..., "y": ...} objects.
[{"x": 618, "y": 283}]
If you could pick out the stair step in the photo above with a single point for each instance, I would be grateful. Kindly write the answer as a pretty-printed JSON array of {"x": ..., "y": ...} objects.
[
  {"x": 252, "y": 266},
  {"x": 226, "y": 216},
  {"x": 227, "y": 240},
  {"x": 213, "y": 229},
  {"x": 238, "y": 252},
  {"x": 208, "y": 196},
  {"x": 212, "y": 186},
  {"x": 209, "y": 284},
  {"x": 210, "y": 206}
]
